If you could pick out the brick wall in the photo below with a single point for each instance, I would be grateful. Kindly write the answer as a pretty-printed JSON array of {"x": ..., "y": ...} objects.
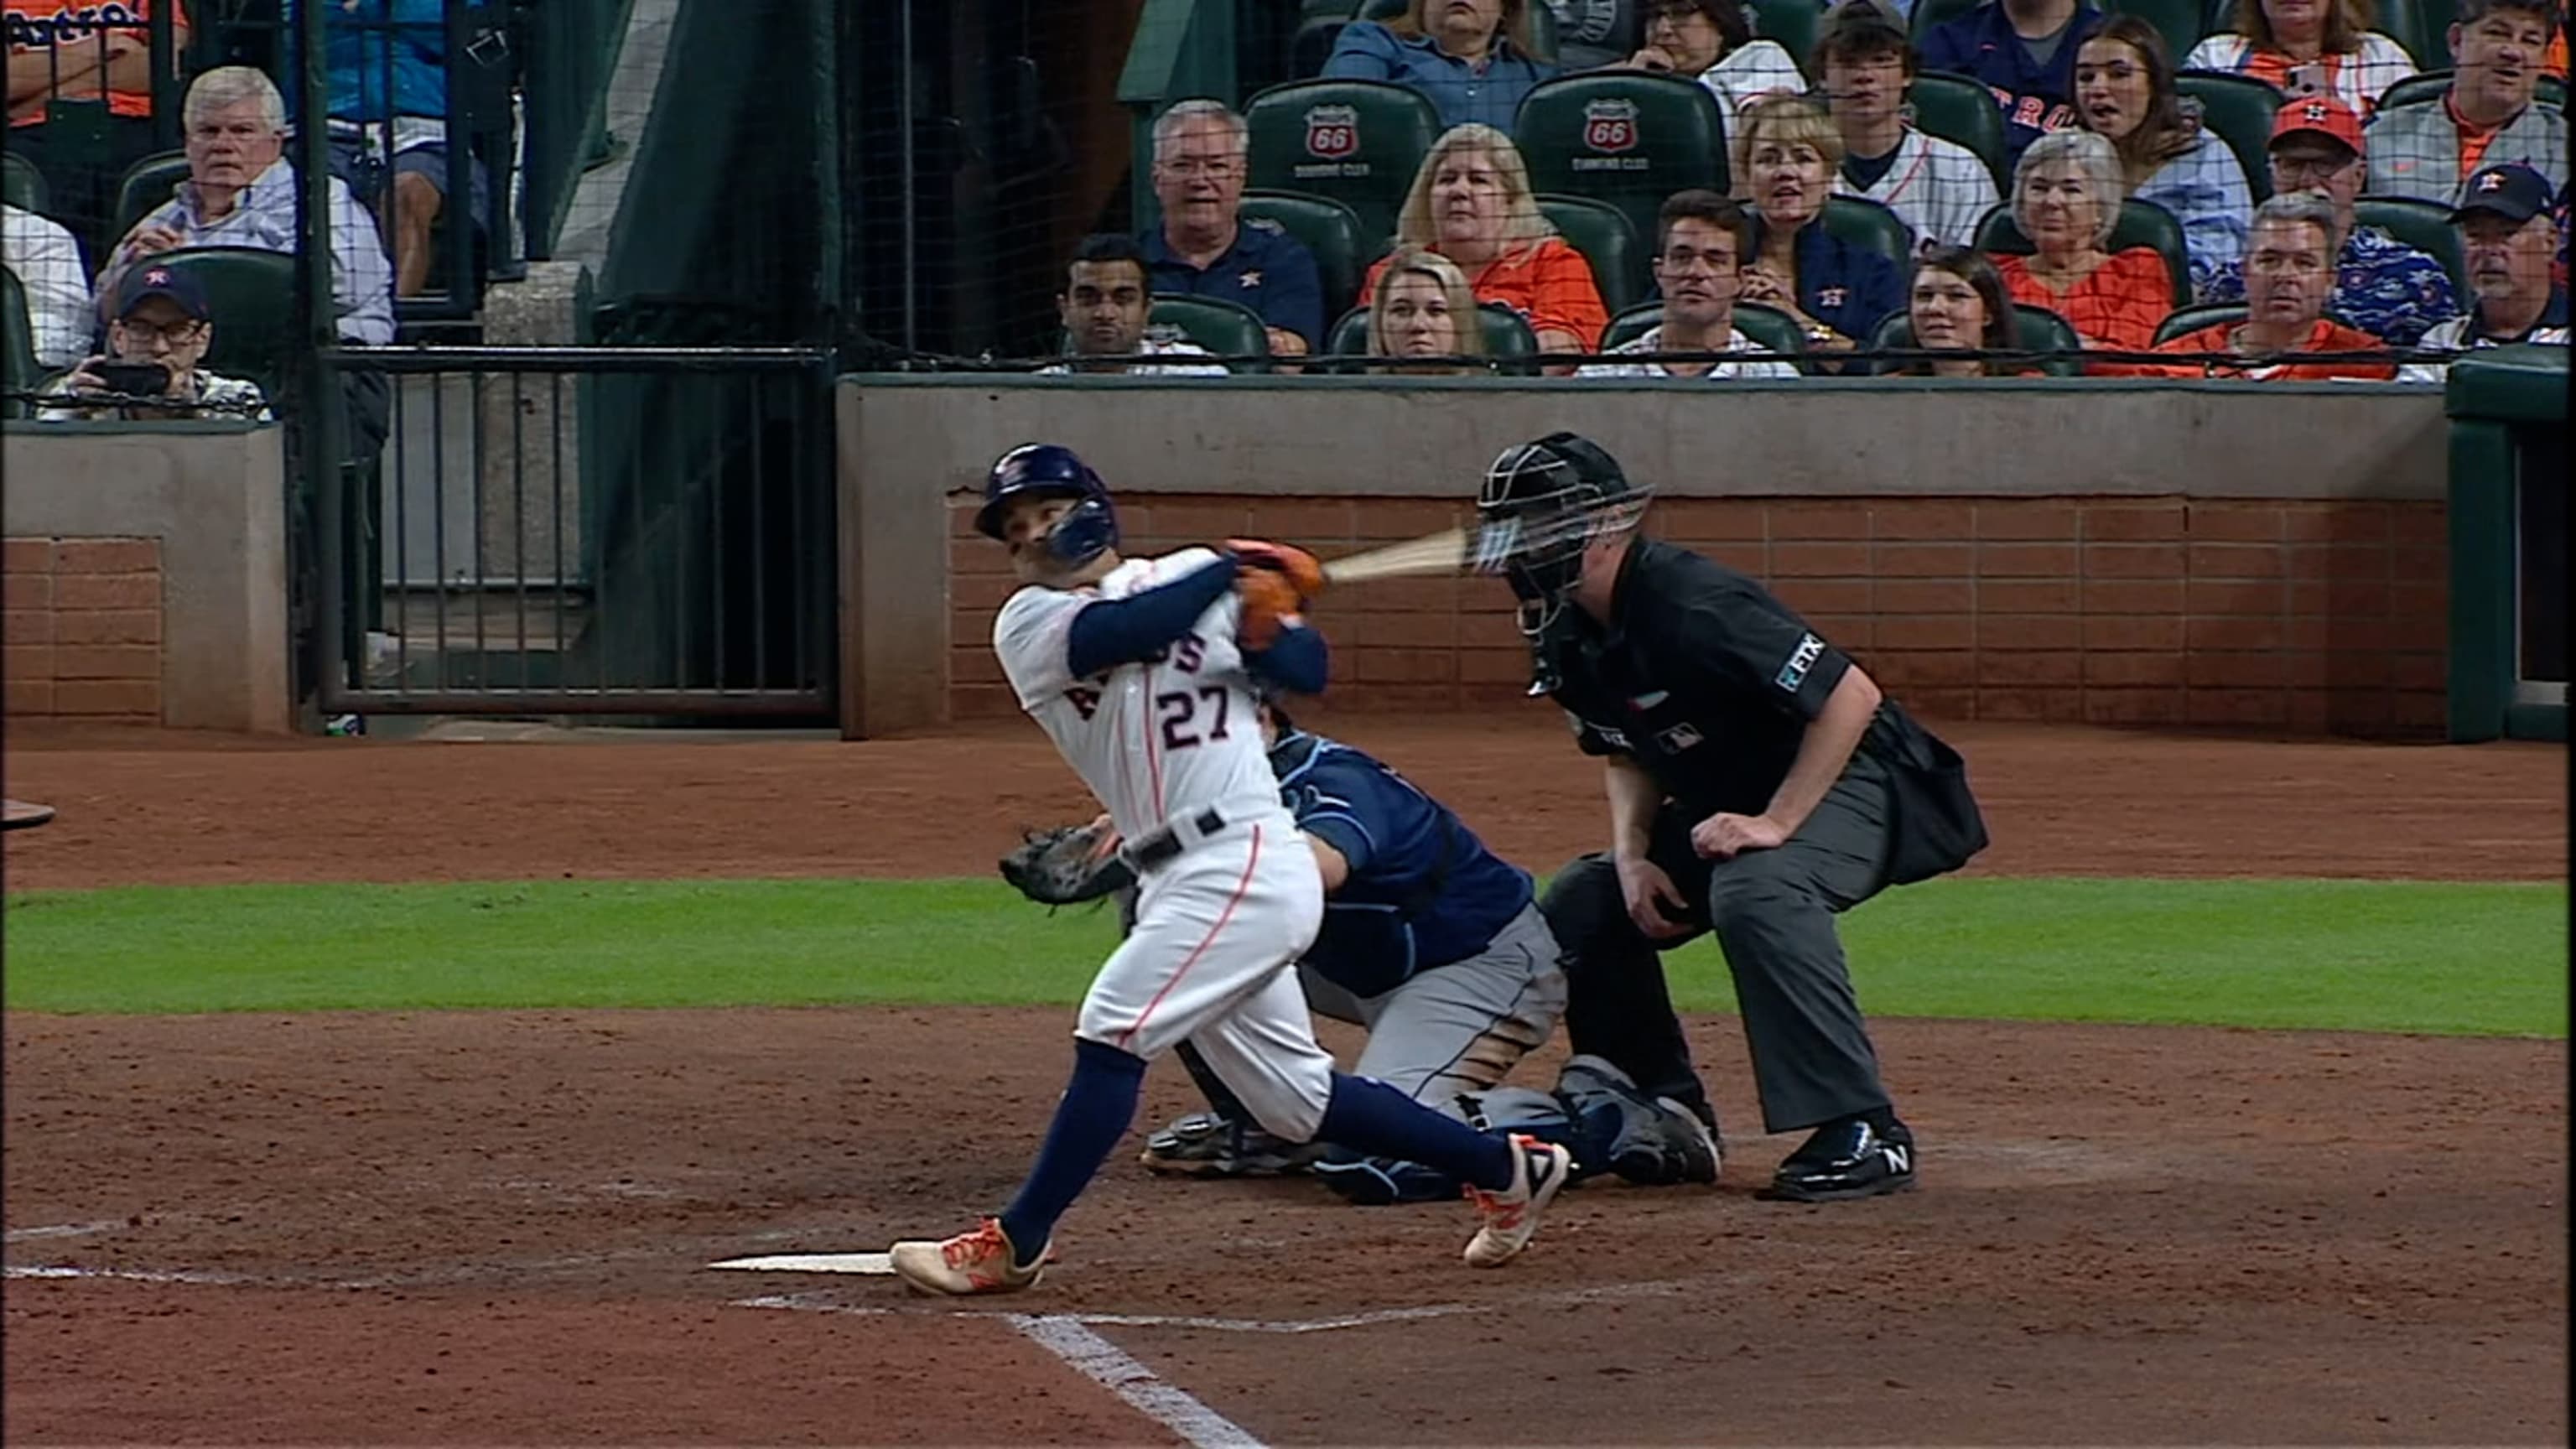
[
  {"x": 2308, "y": 616},
  {"x": 84, "y": 628}
]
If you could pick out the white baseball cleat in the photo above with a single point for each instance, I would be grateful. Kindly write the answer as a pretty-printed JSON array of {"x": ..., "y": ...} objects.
[
  {"x": 980, "y": 1261},
  {"x": 1511, "y": 1216}
]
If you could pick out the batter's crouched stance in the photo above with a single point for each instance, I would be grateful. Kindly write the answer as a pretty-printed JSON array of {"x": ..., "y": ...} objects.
[
  {"x": 1136, "y": 671},
  {"x": 1759, "y": 783}
]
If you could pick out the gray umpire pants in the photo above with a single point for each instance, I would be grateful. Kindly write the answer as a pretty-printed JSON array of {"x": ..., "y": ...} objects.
[{"x": 1773, "y": 914}]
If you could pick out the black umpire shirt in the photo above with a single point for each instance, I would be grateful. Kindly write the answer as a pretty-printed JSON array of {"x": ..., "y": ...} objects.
[{"x": 1702, "y": 677}]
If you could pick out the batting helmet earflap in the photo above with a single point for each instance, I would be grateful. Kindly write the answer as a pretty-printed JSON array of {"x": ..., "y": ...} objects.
[{"x": 1049, "y": 470}]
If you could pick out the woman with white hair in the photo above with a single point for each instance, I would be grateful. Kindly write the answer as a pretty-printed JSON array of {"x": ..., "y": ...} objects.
[
  {"x": 1471, "y": 202},
  {"x": 2067, "y": 190}
]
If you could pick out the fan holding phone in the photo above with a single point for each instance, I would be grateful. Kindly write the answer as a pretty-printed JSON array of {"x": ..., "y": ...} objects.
[{"x": 158, "y": 336}]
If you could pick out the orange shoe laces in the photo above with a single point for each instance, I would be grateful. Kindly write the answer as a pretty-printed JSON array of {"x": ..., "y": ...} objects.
[{"x": 985, "y": 1242}]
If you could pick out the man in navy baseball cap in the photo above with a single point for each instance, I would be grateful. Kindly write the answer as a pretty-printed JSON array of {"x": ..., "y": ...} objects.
[
  {"x": 159, "y": 334},
  {"x": 2509, "y": 232}
]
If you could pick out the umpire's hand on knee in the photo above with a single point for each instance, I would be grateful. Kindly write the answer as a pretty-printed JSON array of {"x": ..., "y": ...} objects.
[
  {"x": 1723, "y": 836},
  {"x": 1646, "y": 889}
]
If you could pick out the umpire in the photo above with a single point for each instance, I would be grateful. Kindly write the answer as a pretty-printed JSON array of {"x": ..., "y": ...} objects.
[{"x": 1759, "y": 784}]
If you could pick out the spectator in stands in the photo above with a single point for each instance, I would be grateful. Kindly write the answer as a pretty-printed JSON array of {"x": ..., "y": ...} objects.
[
  {"x": 1205, "y": 249},
  {"x": 1785, "y": 157},
  {"x": 2382, "y": 286},
  {"x": 387, "y": 79},
  {"x": 1956, "y": 303},
  {"x": 1940, "y": 187},
  {"x": 61, "y": 316},
  {"x": 2306, "y": 48},
  {"x": 1596, "y": 34},
  {"x": 2506, "y": 228},
  {"x": 1425, "y": 308},
  {"x": 2486, "y": 118},
  {"x": 240, "y": 192},
  {"x": 160, "y": 333},
  {"x": 2066, "y": 199},
  {"x": 1107, "y": 297},
  {"x": 72, "y": 50},
  {"x": 2124, "y": 91},
  {"x": 2289, "y": 273},
  {"x": 1471, "y": 202},
  {"x": 1470, "y": 58},
  {"x": 1710, "y": 41},
  {"x": 2024, "y": 50},
  {"x": 1701, "y": 242}
]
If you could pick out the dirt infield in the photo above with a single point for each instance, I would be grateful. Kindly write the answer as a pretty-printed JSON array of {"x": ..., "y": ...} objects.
[{"x": 491, "y": 1227}]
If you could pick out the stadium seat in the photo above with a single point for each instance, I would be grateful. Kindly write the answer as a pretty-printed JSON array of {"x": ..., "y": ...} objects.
[
  {"x": 19, "y": 371},
  {"x": 2239, "y": 108},
  {"x": 251, "y": 293},
  {"x": 1313, "y": 44},
  {"x": 2142, "y": 224},
  {"x": 23, "y": 185},
  {"x": 2405, "y": 22},
  {"x": 1867, "y": 223},
  {"x": 2192, "y": 319},
  {"x": 1328, "y": 229},
  {"x": 1959, "y": 108},
  {"x": 1228, "y": 329},
  {"x": 1601, "y": 232},
  {"x": 1928, "y": 13},
  {"x": 1542, "y": 23},
  {"x": 2036, "y": 329},
  {"x": 2432, "y": 85},
  {"x": 2424, "y": 225},
  {"x": 1623, "y": 137},
  {"x": 1767, "y": 326},
  {"x": 1506, "y": 335},
  {"x": 1628, "y": 326},
  {"x": 1355, "y": 142},
  {"x": 1789, "y": 23},
  {"x": 148, "y": 184},
  {"x": 2178, "y": 21}
]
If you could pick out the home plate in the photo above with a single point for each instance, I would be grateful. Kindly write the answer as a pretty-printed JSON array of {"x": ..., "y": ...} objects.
[{"x": 813, "y": 1263}]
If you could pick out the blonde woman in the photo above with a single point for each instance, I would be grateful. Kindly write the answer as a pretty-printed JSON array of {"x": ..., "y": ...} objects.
[
  {"x": 1424, "y": 308},
  {"x": 1786, "y": 156},
  {"x": 2308, "y": 48},
  {"x": 1470, "y": 58},
  {"x": 1471, "y": 202}
]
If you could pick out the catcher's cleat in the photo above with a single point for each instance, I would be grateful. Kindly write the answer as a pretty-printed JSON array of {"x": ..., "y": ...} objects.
[
  {"x": 980, "y": 1261},
  {"x": 1702, "y": 1150},
  {"x": 1204, "y": 1144},
  {"x": 1845, "y": 1160},
  {"x": 1511, "y": 1216}
]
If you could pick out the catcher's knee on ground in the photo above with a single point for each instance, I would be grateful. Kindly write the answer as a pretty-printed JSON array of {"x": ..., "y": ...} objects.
[{"x": 1272, "y": 1064}]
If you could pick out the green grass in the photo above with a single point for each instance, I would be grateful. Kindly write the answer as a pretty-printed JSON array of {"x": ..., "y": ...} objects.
[{"x": 2484, "y": 959}]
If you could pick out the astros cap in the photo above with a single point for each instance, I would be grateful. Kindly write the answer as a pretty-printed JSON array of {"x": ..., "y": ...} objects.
[
  {"x": 2322, "y": 115},
  {"x": 2514, "y": 192},
  {"x": 149, "y": 281}
]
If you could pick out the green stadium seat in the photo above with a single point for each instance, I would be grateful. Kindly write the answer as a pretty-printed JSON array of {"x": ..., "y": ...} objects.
[
  {"x": 1789, "y": 23},
  {"x": 1542, "y": 22},
  {"x": 1313, "y": 43},
  {"x": 2550, "y": 91},
  {"x": 2239, "y": 108},
  {"x": 251, "y": 293},
  {"x": 2432, "y": 85},
  {"x": 1867, "y": 223},
  {"x": 19, "y": 371},
  {"x": 2405, "y": 22},
  {"x": 2142, "y": 224},
  {"x": 2192, "y": 319},
  {"x": 2178, "y": 21},
  {"x": 1635, "y": 322},
  {"x": 2035, "y": 328},
  {"x": 1506, "y": 335},
  {"x": 1228, "y": 329},
  {"x": 1959, "y": 108},
  {"x": 1620, "y": 265},
  {"x": 2424, "y": 225},
  {"x": 1928, "y": 13},
  {"x": 1352, "y": 141},
  {"x": 1328, "y": 229},
  {"x": 1622, "y": 137},
  {"x": 23, "y": 185},
  {"x": 1767, "y": 326},
  {"x": 148, "y": 184}
]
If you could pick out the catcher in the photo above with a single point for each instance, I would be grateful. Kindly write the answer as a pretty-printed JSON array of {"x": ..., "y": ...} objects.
[{"x": 1436, "y": 946}]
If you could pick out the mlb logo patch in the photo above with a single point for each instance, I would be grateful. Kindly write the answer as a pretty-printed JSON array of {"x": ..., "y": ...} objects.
[
  {"x": 1610, "y": 126},
  {"x": 1332, "y": 132},
  {"x": 1679, "y": 738}
]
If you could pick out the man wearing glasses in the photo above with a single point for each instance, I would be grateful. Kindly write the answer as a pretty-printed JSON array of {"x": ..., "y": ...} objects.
[
  {"x": 2382, "y": 286},
  {"x": 150, "y": 370},
  {"x": 1204, "y": 249}
]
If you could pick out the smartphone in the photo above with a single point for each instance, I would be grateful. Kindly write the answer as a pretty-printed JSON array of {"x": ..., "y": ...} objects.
[
  {"x": 134, "y": 379},
  {"x": 2308, "y": 80}
]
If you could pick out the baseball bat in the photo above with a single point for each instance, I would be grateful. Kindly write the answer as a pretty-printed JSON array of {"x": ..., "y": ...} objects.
[{"x": 1481, "y": 546}]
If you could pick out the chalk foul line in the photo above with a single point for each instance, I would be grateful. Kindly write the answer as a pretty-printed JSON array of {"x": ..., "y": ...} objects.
[{"x": 1136, "y": 1386}]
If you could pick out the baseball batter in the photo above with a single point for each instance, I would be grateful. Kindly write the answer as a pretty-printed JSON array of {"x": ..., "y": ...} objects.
[{"x": 1136, "y": 671}]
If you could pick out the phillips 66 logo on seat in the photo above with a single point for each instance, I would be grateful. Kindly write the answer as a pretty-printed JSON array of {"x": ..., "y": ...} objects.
[
  {"x": 1332, "y": 132},
  {"x": 1610, "y": 125}
]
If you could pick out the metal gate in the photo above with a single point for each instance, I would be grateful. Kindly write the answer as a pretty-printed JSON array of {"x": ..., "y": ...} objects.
[{"x": 630, "y": 531}]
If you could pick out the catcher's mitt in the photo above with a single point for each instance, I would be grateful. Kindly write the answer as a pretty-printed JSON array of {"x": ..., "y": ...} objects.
[{"x": 1067, "y": 865}]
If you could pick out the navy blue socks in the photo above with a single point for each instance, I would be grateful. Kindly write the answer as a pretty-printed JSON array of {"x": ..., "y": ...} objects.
[
  {"x": 1099, "y": 1104},
  {"x": 1375, "y": 1120}
]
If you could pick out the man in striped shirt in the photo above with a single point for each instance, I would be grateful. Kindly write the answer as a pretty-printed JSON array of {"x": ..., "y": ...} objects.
[{"x": 1940, "y": 187}]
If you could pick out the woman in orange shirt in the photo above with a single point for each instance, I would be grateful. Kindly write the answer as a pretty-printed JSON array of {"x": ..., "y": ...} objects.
[
  {"x": 2067, "y": 190},
  {"x": 1471, "y": 202}
]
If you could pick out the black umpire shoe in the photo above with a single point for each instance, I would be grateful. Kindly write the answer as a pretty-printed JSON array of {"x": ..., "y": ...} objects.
[{"x": 1846, "y": 1159}]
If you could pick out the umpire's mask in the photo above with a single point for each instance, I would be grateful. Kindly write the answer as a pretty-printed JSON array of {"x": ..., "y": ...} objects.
[{"x": 1541, "y": 505}]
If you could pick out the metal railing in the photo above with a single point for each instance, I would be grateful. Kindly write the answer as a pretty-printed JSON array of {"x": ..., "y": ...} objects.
[{"x": 558, "y": 531}]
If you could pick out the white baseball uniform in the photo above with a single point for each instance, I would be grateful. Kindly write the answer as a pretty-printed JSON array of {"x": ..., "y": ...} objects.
[{"x": 1163, "y": 742}]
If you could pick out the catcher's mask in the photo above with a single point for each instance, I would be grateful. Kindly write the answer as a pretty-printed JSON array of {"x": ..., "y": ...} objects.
[
  {"x": 1045, "y": 470},
  {"x": 1540, "y": 492}
]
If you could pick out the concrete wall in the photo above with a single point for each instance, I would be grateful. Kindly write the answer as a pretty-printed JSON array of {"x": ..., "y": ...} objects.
[
  {"x": 2246, "y": 555},
  {"x": 178, "y": 531}
]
